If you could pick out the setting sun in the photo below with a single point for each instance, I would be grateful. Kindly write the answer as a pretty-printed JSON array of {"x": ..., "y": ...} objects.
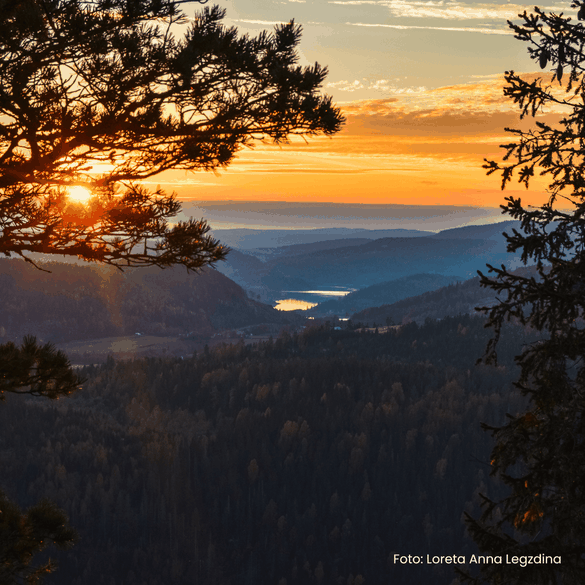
[{"x": 79, "y": 194}]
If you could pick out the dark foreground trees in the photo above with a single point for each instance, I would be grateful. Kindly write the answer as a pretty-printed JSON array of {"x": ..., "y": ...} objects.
[
  {"x": 540, "y": 454},
  {"x": 96, "y": 96},
  {"x": 24, "y": 535},
  {"x": 255, "y": 464}
]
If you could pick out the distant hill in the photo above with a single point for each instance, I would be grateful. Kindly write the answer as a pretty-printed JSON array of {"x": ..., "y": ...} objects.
[
  {"x": 455, "y": 299},
  {"x": 271, "y": 254},
  {"x": 243, "y": 268},
  {"x": 490, "y": 231},
  {"x": 75, "y": 302},
  {"x": 382, "y": 260},
  {"x": 382, "y": 294},
  {"x": 251, "y": 239},
  {"x": 357, "y": 261}
]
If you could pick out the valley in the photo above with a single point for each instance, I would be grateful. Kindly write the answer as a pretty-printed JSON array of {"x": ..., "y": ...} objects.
[
  {"x": 200, "y": 396},
  {"x": 92, "y": 312}
]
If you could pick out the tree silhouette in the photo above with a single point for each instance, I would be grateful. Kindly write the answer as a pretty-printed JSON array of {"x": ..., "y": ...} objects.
[
  {"x": 35, "y": 370},
  {"x": 24, "y": 535},
  {"x": 540, "y": 454},
  {"x": 99, "y": 95},
  {"x": 103, "y": 94}
]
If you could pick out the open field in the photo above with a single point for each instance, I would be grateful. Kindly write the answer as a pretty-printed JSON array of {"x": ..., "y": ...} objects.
[
  {"x": 127, "y": 347},
  {"x": 135, "y": 346}
]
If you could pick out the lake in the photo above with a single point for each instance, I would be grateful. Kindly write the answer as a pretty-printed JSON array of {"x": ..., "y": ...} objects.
[{"x": 306, "y": 299}]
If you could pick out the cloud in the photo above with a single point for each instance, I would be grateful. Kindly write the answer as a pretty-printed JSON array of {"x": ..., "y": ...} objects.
[
  {"x": 454, "y": 10},
  {"x": 494, "y": 16},
  {"x": 262, "y": 22},
  {"x": 450, "y": 10},
  {"x": 346, "y": 85},
  {"x": 432, "y": 122},
  {"x": 385, "y": 85},
  {"x": 485, "y": 31},
  {"x": 359, "y": 3},
  {"x": 474, "y": 109}
]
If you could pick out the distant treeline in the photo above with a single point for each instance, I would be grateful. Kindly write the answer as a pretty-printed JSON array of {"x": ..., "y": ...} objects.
[{"x": 312, "y": 458}]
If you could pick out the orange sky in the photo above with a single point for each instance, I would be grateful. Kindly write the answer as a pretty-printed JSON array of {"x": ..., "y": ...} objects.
[{"x": 419, "y": 147}]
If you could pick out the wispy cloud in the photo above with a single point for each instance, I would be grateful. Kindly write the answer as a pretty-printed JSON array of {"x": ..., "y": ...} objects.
[
  {"x": 450, "y": 10},
  {"x": 384, "y": 85},
  {"x": 494, "y": 16},
  {"x": 485, "y": 31},
  {"x": 262, "y": 22},
  {"x": 454, "y": 10}
]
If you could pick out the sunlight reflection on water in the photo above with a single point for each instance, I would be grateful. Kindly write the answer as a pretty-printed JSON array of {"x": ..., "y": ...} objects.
[
  {"x": 293, "y": 305},
  {"x": 321, "y": 293},
  {"x": 302, "y": 305}
]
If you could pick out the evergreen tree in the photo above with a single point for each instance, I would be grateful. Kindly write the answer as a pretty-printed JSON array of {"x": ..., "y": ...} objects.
[
  {"x": 38, "y": 370},
  {"x": 540, "y": 454},
  {"x": 99, "y": 95},
  {"x": 24, "y": 535}
]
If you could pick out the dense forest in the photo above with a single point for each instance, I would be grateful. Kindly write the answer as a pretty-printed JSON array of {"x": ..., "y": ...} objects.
[{"x": 311, "y": 458}]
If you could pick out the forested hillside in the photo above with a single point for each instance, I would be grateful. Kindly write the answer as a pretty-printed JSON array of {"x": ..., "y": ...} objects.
[
  {"x": 383, "y": 293},
  {"x": 308, "y": 459},
  {"x": 459, "y": 298},
  {"x": 71, "y": 302}
]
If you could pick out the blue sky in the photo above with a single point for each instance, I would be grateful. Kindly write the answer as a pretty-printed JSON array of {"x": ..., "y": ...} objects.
[{"x": 377, "y": 48}]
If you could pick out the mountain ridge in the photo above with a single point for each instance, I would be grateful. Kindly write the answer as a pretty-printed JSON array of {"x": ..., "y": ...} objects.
[{"x": 343, "y": 263}]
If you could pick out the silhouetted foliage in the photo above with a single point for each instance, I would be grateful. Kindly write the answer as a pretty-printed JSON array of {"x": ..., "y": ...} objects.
[
  {"x": 102, "y": 94},
  {"x": 38, "y": 370},
  {"x": 540, "y": 453},
  {"x": 24, "y": 535}
]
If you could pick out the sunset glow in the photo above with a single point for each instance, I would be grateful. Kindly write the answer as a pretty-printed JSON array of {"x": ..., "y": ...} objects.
[
  {"x": 79, "y": 194},
  {"x": 422, "y": 148},
  {"x": 422, "y": 89}
]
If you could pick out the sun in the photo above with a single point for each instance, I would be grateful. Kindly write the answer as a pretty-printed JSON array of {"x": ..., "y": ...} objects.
[{"x": 79, "y": 194}]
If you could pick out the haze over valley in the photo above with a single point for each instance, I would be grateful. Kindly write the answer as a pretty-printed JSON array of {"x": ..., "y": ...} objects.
[{"x": 329, "y": 273}]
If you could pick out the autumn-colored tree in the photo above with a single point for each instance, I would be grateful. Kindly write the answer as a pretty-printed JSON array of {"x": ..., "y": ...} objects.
[
  {"x": 540, "y": 454},
  {"x": 96, "y": 96}
]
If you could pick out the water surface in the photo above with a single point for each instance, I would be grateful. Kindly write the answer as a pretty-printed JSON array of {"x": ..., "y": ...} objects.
[{"x": 307, "y": 299}]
